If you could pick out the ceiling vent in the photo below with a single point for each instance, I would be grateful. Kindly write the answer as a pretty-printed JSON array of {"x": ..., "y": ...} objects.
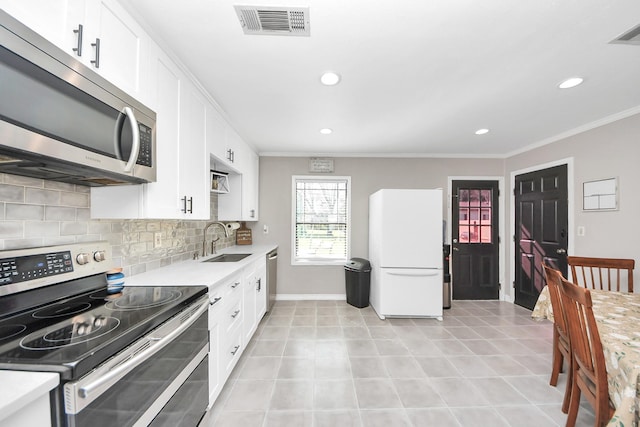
[
  {"x": 274, "y": 21},
  {"x": 630, "y": 37}
]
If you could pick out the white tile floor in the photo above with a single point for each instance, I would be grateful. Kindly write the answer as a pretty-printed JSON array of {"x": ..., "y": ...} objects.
[{"x": 326, "y": 363}]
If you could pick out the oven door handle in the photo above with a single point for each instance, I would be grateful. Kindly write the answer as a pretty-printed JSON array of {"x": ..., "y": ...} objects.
[{"x": 156, "y": 344}]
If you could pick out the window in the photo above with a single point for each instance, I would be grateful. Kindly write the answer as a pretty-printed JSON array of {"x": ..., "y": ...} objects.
[{"x": 321, "y": 214}]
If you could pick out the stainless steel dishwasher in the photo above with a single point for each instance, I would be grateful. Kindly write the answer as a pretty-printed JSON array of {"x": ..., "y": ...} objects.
[{"x": 272, "y": 277}]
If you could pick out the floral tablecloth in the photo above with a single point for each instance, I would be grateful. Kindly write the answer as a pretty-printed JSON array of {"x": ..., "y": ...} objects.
[{"x": 618, "y": 317}]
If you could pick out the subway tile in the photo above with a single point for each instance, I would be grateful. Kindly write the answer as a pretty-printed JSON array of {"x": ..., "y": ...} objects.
[
  {"x": 11, "y": 193},
  {"x": 39, "y": 196},
  {"x": 78, "y": 200},
  {"x": 73, "y": 228},
  {"x": 98, "y": 227},
  {"x": 11, "y": 229},
  {"x": 83, "y": 214},
  {"x": 24, "y": 212},
  {"x": 24, "y": 180},
  {"x": 59, "y": 213},
  {"x": 63, "y": 186},
  {"x": 41, "y": 228}
]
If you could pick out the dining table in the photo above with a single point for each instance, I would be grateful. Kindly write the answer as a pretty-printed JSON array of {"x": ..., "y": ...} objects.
[{"x": 617, "y": 316}]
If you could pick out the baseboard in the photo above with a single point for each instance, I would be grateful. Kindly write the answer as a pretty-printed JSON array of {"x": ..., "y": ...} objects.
[{"x": 302, "y": 297}]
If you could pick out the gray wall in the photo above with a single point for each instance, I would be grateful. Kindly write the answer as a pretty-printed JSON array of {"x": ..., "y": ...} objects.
[
  {"x": 35, "y": 213},
  {"x": 367, "y": 176},
  {"x": 612, "y": 150}
]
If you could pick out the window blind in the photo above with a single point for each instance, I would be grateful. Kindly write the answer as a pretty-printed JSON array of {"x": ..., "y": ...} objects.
[{"x": 321, "y": 219}]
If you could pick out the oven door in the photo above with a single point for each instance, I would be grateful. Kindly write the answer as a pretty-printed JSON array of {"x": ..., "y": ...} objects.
[{"x": 147, "y": 383}]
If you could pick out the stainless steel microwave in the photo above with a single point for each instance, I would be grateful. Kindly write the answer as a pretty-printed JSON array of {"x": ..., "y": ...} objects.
[{"x": 60, "y": 120}]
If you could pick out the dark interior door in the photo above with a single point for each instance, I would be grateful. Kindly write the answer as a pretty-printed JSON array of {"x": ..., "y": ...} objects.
[
  {"x": 474, "y": 240},
  {"x": 541, "y": 210}
]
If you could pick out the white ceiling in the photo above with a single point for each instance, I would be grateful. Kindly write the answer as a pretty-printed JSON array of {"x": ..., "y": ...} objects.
[{"x": 418, "y": 76}]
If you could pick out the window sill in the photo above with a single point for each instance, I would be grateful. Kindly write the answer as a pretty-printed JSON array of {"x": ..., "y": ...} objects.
[{"x": 298, "y": 263}]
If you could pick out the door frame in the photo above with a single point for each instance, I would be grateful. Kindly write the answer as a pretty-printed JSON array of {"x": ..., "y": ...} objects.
[
  {"x": 501, "y": 221},
  {"x": 512, "y": 213}
]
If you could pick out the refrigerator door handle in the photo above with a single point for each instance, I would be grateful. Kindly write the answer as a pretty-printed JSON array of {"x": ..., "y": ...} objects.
[{"x": 414, "y": 273}]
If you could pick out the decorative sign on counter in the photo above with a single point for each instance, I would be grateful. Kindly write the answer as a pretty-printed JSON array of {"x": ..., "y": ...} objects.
[{"x": 243, "y": 235}]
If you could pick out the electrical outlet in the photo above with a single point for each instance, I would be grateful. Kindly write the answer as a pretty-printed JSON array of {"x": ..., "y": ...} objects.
[
  {"x": 157, "y": 240},
  {"x": 265, "y": 229}
]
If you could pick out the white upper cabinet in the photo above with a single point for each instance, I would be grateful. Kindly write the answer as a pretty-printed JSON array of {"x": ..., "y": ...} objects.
[
  {"x": 116, "y": 46},
  {"x": 182, "y": 187},
  {"x": 99, "y": 33},
  {"x": 55, "y": 20}
]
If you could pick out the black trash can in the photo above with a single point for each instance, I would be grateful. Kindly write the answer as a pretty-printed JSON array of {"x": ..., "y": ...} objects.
[{"x": 357, "y": 273}]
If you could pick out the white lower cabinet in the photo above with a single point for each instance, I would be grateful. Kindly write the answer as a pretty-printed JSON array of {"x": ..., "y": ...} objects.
[
  {"x": 237, "y": 306},
  {"x": 215, "y": 341}
]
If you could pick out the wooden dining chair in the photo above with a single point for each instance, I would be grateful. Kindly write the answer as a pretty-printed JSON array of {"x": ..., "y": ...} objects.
[
  {"x": 602, "y": 273},
  {"x": 589, "y": 371},
  {"x": 561, "y": 345}
]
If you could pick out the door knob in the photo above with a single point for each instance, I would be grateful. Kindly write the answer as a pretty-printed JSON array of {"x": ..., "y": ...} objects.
[
  {"x": 561, "y": 251},
  {"x": 455, "y": 240}
]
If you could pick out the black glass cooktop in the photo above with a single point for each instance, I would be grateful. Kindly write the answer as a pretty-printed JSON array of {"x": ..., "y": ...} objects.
[{"x": 74, "y": 335}]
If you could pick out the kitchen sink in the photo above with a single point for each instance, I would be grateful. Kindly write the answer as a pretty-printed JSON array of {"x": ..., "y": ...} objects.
[{"x": 227, "y": 258}]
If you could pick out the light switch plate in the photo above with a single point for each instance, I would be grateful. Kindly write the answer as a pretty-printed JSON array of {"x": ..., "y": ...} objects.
[{"x": 581, "y": 231}]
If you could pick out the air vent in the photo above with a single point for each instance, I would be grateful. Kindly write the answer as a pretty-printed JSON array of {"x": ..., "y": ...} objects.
[
  {"x": 630, "y": 37},
  {"x": 274, "y": 21}
]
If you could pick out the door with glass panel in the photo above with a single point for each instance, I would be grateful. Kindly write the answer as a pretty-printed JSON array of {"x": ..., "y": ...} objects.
[{"x": 474, "y": 241}]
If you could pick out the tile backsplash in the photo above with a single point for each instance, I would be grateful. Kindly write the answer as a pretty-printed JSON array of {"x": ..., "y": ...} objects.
[{"x": 35, "y": 212}]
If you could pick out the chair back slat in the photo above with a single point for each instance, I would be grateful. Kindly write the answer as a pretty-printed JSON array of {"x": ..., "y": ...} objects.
[
  {"x": 602, "y": 273},
  {"x": 553, "y": 278}
]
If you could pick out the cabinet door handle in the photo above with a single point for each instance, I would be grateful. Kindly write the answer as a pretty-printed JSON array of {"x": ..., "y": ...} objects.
[
  {"x": 78, "y": 48},
  {"x": 233, "y": 156},
  {"x": 96, "y": 62},
  {"x": 252, "y": 213},
  {"x": 235, "y": 350},
  {"x": 235, "y": 314},
  {"x": 235, "y": 285},
  {"x": 229, "y": 154},
  {"x": 215, "y": 301},
  {"x": 259, "y": 285},
  {"x": 186, "y": 200}
]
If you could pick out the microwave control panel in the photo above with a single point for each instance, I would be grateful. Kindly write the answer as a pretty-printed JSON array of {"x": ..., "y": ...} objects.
[{"x": 144, "y": 156}]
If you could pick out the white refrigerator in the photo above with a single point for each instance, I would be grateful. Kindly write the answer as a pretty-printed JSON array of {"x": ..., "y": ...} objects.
[{"x": 405, "y": 250}]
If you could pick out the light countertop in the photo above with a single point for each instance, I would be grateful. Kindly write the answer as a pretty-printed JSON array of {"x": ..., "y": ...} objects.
[
  {"x": 20, "y": 388},
  {"x": 197, "y": 272}
]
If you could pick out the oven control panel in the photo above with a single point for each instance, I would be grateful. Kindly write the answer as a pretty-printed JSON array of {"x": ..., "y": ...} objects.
[
  {"x": 32, "y": 267},
  {"x": 23, "y": 269}
]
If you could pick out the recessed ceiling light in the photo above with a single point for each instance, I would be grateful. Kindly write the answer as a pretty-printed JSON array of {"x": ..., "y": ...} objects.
[
  {"x": 330, "y": 78},
  {"x": 326, "y": 131},
  {"x": 571, "y": 82},
  {"x": 482, "y": 131}
]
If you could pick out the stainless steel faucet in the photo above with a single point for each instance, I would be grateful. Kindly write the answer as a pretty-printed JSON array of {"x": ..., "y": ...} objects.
[{"x": 204, "y": 236}]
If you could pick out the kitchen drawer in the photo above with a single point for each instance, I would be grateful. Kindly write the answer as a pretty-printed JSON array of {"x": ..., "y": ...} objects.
[
  {"x": 216, "y": 301},
  {"x": 233, "y": 286},
  {"x": 231, "y": 314},
  {"x": 232, "y": 350}
]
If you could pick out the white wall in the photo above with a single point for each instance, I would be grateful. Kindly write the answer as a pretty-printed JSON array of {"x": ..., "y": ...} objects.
[{"x": 367, "y": 176}]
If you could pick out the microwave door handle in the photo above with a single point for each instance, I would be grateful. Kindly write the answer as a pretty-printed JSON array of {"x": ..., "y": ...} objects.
[{"x": 135, "y": 132}]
